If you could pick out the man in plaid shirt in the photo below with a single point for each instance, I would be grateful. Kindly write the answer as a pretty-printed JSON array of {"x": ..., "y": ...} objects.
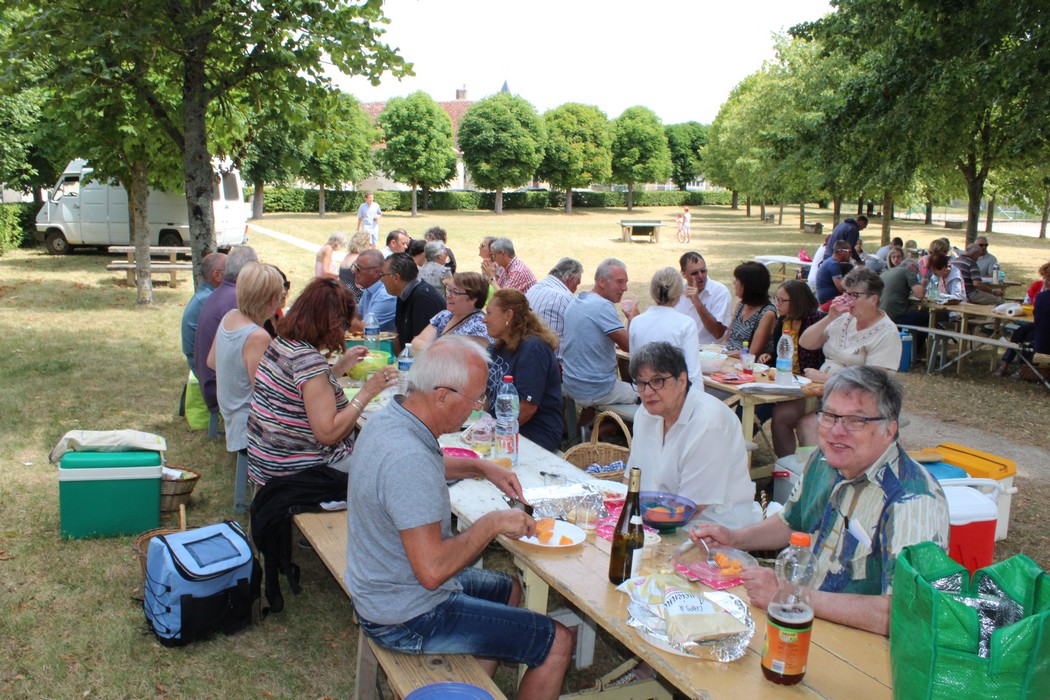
[{"x": 513, "y": 272}]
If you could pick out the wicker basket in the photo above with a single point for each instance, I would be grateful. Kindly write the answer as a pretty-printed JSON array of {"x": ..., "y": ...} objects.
[
  {"x": 583, "y": 456},
  {"x": 175, "y": 493},
  {"x": 141, "y": 546}
]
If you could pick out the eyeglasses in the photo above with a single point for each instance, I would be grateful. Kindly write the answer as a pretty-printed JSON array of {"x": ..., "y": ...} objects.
[
  {"x": 480, "y": 403},
  {"x": 982, "y": 245},
  {"x": 857, "y": 295},
  {"x": 449, "y": 291},
  {"x": 697, "y": 273},
  {"x": 655, "y": 384},
  {"x": 853, "y": 424},
  {"x": 781, "y": 300},
  {"x": 357, "y": 268}
]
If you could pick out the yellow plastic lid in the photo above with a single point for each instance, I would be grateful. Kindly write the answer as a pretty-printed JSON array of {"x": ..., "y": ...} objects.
[{"x": 976, "y": 463}]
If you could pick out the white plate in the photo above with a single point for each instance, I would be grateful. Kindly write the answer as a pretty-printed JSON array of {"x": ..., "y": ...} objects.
[
  {"x": 560, "y": 528},
  {"x": 802, "y": 381}
]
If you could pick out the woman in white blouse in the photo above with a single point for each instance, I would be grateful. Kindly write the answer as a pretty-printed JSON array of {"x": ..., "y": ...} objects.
[{"x": 661, "y": 322}]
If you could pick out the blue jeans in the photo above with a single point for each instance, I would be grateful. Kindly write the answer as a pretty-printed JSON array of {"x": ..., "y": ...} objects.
[{"x": 475, "y": 621}]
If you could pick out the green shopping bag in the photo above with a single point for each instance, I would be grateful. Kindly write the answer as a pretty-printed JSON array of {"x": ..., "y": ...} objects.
[
  {"x": 197, "y": 413},
  {"x": 952, "y": 637}
]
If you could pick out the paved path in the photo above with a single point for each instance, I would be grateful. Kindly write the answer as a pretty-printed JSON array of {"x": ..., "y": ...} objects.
[{"x": 292, "y": 240}]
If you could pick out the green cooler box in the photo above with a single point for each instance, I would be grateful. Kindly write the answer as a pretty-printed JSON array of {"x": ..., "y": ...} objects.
[{"x": 108, "y": 493}]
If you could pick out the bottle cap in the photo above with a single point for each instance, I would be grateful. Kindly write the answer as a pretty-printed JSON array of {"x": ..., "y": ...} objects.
[
  {"x": 508, "y": 378},
  {"x": 800, "y": 539}
]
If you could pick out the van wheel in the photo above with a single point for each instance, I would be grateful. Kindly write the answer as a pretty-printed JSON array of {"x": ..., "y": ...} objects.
[
  {"x": 57, "y": 243},
  {"x": 170, "y": 238}
]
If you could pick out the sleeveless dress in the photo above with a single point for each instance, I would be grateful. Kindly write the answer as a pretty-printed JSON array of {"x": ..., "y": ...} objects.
[
  {"x": 743, "y": 330},
  {"x": 233, "y": 385}
]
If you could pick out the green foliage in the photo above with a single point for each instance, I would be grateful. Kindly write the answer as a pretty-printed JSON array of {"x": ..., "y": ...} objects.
[
  {"x": 639, "y": 149},
  {"x": 686, "y": 142},
  {"x": 578, "y": 147},
  {"x": 419, "y": 149},
  {"x": 16, "y": 225},
  {"x": 503, "y": 141},
  {"x": 340, "y": 149}
]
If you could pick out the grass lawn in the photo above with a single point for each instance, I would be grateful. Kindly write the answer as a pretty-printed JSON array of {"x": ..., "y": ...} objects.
[{"x": 76, "y": 352}]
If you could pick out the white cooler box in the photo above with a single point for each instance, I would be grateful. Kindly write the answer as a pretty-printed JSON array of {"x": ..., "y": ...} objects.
[{"x": 786, "y": 474}]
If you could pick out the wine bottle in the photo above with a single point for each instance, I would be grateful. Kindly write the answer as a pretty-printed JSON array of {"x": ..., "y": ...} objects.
[{"x": 628, "y": 537}]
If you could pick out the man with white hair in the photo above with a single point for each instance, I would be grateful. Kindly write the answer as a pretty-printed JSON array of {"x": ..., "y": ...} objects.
[
  {"x": 593, "y": 331},
  {"x": 862, "y": 499},
  {"x": 513, "y": 273},
  {"x": 434, "y": 270},
  {"x": 212, "y": 269},
  {"x": 551, "y": 296},
  {"x": 408, "y": 573},
  {"x": 977, "y": 290}
]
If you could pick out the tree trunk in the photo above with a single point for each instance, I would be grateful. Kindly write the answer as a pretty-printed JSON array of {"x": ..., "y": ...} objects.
[
  {"x": 630, "y": 196},
  {"x": 1046, "y": 215},
  {"x": 871, "y": 208},
  {"x": 426, "y": 197},
  {"x": 258, "y": 204},
  {"x": 568, "y": 200},
  {"x": 762, "y": 209},
  {"x": 414, "y": 212},
  {"x": 801, "y": 216},
  {"x": 320, "y": 201},
  {"x": 735, "y": 205},
  {"x": 499, "y": 200},
  {"x": 748, "y": 206},
  {"x": 860, "y": 206},
  {"x": 196, "y": 159},
  {"x": 138, "y": 219},
  {"x": 928, "y": 220},
  {"x": 887, "y": 218},
  {"x": 990, "y": 215},
  {"x": 836, "y": 211},
  {"x": 780, "y": 220}
]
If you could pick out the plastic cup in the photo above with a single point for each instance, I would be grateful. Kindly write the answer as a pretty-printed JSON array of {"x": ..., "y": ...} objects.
[{"x": 587, "y": 519}]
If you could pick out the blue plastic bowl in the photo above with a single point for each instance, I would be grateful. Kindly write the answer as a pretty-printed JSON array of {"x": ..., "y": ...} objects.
[{"x": 665, "y": 511}]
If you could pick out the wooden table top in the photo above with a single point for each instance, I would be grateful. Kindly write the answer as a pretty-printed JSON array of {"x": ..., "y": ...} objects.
[{"x": 844, "y": 662}]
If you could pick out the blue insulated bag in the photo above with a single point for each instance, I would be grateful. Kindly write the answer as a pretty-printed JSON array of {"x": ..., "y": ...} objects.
[{"x": 199, "y": 582}]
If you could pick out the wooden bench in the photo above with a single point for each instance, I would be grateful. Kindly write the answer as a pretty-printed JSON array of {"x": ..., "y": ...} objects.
[
  {"x": 326, "y": 532},
  {"x": 173, "y": 266},
  {"x": 769, "y": 219},
  {"x": 173, "y": 270},
  {"x": 629, "y": 228},
  {"x": 954, "y": 224}
]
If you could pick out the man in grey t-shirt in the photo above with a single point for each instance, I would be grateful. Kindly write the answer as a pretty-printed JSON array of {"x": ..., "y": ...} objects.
[{"x": 408, "y": 575}]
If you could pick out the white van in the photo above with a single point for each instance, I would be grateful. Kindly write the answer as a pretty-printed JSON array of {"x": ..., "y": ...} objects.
[{"x": 82, "y": 211}]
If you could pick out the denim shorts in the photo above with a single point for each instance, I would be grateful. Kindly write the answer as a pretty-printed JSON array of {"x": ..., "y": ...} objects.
[{"x": 475, "y": 621}]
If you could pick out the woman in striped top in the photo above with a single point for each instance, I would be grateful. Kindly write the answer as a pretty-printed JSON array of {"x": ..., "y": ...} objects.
[{"x": 299, "y": 416}]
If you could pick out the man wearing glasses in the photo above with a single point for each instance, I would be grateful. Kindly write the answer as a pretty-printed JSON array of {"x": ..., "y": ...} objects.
[
  {"x": 861, "y": 498},
  {"x": 408, "y": 574},
  {"x": 986, "y": 261},
  {"x": 706, "y": 301},
  {"x": 368, "y": 275}
]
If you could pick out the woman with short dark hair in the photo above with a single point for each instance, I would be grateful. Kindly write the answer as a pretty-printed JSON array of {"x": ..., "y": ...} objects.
[
  {"x": 754, "y": 316},
  {"x": 299, "y": 415}
]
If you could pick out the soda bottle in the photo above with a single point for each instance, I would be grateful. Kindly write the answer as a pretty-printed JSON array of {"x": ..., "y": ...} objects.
[
  {"x": 628, "y": 537},
  {"x": 785, "y": 360},
  {"x": 996, "y": 277},
  {"x": 371, "y": 332},
  {"x": 507, "y": 420},
  {"x": 789, "y": 616},
  {"x": 404, "y": 363}
]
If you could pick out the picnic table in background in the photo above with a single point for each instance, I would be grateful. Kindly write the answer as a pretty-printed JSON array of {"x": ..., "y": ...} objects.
[
  {"x": 782, "y": 262},
  {"x": 629, "y": 228},
  {"x": 173, "y": 266}
]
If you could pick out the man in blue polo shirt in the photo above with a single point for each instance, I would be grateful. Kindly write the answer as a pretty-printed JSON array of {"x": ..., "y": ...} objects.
[{"x": 368, "y": 275}]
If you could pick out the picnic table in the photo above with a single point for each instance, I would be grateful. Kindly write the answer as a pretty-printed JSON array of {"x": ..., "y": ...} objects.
[
  {"x": 173, "y": 266},
  {"x": 629, "y": 228},
  {"x": 843, "y": 662},
  {"x": 781, "y": 262}
]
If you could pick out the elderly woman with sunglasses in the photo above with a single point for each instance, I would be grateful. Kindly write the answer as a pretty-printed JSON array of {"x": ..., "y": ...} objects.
[
  {"x": 465, "y": 294},
  {"x": 688, "y": 442}
]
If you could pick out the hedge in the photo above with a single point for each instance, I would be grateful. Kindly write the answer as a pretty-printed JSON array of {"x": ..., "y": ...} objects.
[
  {"x": 282, "y": 199},
  {"x": 17, "y": 225}
]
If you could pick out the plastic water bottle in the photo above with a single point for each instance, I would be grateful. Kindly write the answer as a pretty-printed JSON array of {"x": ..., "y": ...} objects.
[
  {"x": 789, "y": 617},
  {"x": 997, "y": 275},
  {"x": 371, "y": 332},
  {"x": 507, "y": 420},
  {"x": 932, "y": 288},
  {"x": 747, "y": 358},
  {"x": 785, "y": 360},
  {"x": 404, "y": 363}
]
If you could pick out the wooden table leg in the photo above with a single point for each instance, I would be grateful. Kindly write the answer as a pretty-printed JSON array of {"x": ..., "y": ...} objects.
[{"x": 367, "y": 670}]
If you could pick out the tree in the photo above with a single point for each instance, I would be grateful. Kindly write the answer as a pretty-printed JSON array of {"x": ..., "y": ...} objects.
[
  {"x": 340, "y": 150},
  {"x": 578, "y": 148},
  {"x": 277, "y": 151},
  {"x": 639, "y": 150},
  {"x": 686, "y": 142},
  {"x": 419, "y": 149},
  {"x": 503, "y": 140},
  {"x": 191, "y": 61}
]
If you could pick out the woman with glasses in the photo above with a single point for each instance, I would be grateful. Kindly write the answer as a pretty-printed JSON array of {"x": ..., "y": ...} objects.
[
  {"x": 797, "y": 310},
  {"x": 688, "y": 442},
  {"x": 754, "y": 316},
  {"x": 464, "y": 315},
  {"x": 661, "y": 322},
  {"x": 299, "y": 415},
  {"x": 523, "y": 348}
]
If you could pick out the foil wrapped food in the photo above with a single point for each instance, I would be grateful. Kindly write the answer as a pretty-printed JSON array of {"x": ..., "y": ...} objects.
[{"x": 561, "y": 501}]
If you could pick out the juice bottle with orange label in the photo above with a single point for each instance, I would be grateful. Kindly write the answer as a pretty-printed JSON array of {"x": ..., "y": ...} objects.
[{"x": 789, "y": 616}]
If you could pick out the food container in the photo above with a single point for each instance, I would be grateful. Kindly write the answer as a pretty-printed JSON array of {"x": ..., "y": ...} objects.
[
  {"x": 711, "y": 362},
  {"x": 386, "y": 341},
  {"x": 372, "y": 362},
  {"x": 108, "y": 493},
  {"x": 972, "y": 516},
  {"x": 984, "y": 465},
  {"x": 664, "y": 511}
]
